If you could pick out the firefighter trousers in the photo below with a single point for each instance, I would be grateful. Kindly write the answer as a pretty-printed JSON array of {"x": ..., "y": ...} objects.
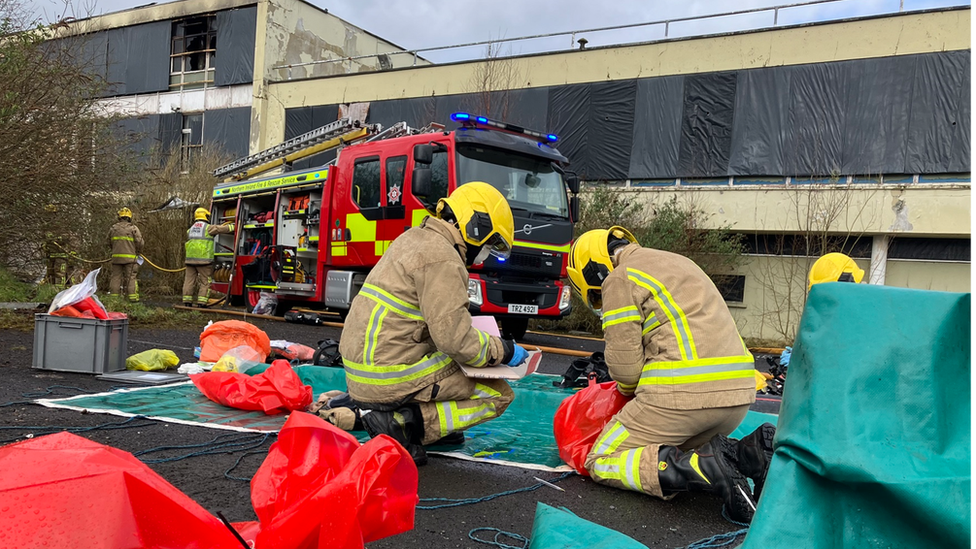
[
  {"x": 124, "y": 279},
  {"x": 458, "y": 402},
  {"x": 625, "y": 455},
  {"x": 196, "y": 284},
  {"x": 57, "y": 272}
]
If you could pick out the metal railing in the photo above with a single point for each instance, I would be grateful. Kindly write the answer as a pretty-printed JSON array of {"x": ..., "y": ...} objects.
[{"x": 667, "y": 23}]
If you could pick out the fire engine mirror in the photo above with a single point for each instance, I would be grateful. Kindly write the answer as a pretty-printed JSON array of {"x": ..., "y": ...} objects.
[
  {"x": 423, "y": 154},
  {"x": 574, "y": 208},
  {"x": 532, "y": 181},
  {"x": 573, "y": 183},
  {"x": 421, "y": 181}
]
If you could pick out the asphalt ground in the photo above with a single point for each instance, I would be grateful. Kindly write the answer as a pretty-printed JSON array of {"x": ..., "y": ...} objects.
[{"x": 655, "y": 523}]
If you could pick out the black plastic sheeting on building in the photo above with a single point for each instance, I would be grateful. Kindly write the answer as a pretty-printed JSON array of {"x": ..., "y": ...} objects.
[
  {"x": 230, "y": 129},
  {"x": 236, "y": 30},
  {"x": 138, "y": 58},
  {"x": 306, "y": 119},
  {"x": 895, "y": 115},
  {"x": 227, "y": 128}
]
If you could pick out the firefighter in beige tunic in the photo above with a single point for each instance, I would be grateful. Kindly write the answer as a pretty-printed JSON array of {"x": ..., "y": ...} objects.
[
  {"x": 409, "y": 327},
  {"x": 126, "y": 242},
  {"x": 200, "y": 257},
  {"x": 671, "y": 345}
]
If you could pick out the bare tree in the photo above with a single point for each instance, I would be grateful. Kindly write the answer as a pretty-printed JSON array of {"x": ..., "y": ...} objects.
[{"x": 492, "y": 82}]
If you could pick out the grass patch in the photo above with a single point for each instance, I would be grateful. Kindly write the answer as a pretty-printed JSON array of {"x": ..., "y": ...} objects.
[
  {"x": 151, "y": 316},
  {"x": 12, "y": 289}
]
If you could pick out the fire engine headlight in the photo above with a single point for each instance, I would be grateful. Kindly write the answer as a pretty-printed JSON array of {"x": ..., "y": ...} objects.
[
  {"x": 474, "y": 292},
  {"x": 564, "y": 297}
]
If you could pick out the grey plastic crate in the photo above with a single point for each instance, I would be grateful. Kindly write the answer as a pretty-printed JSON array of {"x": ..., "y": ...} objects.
[{"x": 79, "y": 344}]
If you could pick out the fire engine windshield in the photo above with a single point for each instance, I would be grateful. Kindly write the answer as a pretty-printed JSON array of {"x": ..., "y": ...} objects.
[{"x": 529, "y": 184}]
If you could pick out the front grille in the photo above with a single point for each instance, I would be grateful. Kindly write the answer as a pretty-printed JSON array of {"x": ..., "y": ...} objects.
[{"x": 548, "y": 266}]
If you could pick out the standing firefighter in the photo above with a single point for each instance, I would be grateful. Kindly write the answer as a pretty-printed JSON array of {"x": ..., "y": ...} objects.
[
  {"x": 126, "y": 242},
  {"x": 409, "y": 327},
  {"x": 56, "y": 260},
  {"x": 672, "y": 345},
  {"x": 200, "y": 257}
]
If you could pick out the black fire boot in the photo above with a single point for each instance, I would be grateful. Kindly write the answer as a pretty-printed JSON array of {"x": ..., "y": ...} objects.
[
  {"x": 709, "y": 470},
  {"x": 452, "y": 439},
  {"x": 406, "y": 426},
  {"x": 753, "y": 454}
]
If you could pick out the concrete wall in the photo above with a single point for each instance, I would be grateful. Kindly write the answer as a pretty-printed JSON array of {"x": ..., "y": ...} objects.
[{"x": 919, "y": 210}]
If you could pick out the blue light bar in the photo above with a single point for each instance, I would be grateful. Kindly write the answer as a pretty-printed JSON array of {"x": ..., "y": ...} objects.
[{"x": 467, "y": 119}]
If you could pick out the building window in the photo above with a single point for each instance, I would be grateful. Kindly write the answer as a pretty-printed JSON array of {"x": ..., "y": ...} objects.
[
  {"x": 732, "y": 287},
  {"x": 193, "y": 53},
  {"x": 192, "y": 140}
]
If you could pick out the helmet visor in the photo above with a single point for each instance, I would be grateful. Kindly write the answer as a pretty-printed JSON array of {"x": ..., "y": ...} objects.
[
  {"x": 594, "y": 299},
  {"x": 496, "y": 246}
]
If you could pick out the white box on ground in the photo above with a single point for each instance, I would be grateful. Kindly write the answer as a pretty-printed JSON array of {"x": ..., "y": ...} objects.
[{"x": 488, "y": 325}]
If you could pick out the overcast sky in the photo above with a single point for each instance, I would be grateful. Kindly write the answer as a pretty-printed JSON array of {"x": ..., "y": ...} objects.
[{"x": 429, "y": 23}]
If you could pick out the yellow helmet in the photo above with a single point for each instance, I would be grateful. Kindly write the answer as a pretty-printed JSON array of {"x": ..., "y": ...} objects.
[
  {"x": 590, "y": 263},
  {"x": 125, "y": 212},
  {"x": 835, "y": 267},
  {"x": 201, "y": 214},
  {"x": 484, "y": 218}
]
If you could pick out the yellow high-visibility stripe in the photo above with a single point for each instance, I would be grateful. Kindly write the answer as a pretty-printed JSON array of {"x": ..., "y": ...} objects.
[
  {"x": 387, "y": 299},
  {"x": 129, "y": 238},
  {"x": 677, "y": 318},
  {"x": 621, "y": 315},
  {"x": 698, "y": 371},
  {"x": 612, "y": 439},
  {"x": 396, "y": 373}
]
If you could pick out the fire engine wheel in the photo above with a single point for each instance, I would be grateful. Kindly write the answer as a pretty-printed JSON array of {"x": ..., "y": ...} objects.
[
  {"x": 514, "y": 328},
  {"x": 253, "y": 296}
]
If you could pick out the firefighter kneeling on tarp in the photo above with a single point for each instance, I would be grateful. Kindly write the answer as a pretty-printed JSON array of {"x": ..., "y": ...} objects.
[
  {"x": 673, "y": 346},
  {"x": 200, "y": 257},
  {"x": 409, "y": 327}
]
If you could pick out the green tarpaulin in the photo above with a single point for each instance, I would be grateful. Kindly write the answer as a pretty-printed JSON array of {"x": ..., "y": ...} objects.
[
  {"x": 522, "y": 436},
  {"x": 873, "y": 445},
  {"x": 561, "y": 529}
]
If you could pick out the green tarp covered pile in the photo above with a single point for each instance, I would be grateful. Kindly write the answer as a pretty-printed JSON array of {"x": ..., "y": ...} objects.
[{"x": 873, "y": 445}]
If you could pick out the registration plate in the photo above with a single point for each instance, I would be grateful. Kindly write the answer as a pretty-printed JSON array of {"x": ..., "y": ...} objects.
[{"x": 523, "y": 309}]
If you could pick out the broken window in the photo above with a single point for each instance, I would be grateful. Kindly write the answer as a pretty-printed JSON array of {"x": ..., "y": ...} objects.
[
  {"x": 192, "y": 140},
  {"x": 193, "y": 53}
]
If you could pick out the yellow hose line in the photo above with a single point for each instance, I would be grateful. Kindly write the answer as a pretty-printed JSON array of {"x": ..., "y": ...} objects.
[{"x": 75, "y": 255}]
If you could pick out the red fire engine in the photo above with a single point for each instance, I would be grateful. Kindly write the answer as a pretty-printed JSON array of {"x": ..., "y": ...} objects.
[{"x": 311, "y": 236}]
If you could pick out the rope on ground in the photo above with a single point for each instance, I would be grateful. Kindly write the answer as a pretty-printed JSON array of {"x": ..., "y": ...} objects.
[
  {"x": 221, "y": 444},
  {"x": 50, "y": 391},
  {"x": 452, "y": 502},
  {"x": 499, "y": 533},
  {"x": 51, "y": 429},
  {"x": 227, "y": 474},
  {"x": 721, "y": 540}
]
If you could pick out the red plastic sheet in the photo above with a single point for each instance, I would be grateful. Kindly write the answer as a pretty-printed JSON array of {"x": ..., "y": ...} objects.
[
  {"x": 63, "y": 490},
  {"x": 220, "y": 337},
  {"x": 581, "y": 418},
  {"x": 319, "y": 488},
  {"x": 275, "y": 390}
]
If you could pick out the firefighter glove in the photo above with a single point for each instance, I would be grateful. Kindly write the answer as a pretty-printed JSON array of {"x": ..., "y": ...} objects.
[{"x": 515, "y": 354}]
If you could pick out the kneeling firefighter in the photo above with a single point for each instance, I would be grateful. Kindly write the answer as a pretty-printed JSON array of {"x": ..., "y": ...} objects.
[
  {"x": 409, "y": 327},
  {"x": 200, "y": 257},
  {"x": 671, "y": 345}
]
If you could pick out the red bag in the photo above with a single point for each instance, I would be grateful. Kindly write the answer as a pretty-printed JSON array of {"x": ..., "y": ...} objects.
[
  {"x": 275, "y": 390},
  {"x": 319, "y": 488},
  {"x": 582, "y": 417},
  {"x": 89, "y": 304},
  {"x": 220, "y": 337}
]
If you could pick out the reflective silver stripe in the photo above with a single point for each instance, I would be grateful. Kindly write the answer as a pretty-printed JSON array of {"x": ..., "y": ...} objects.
[
  {"x": 601, "y": 468},
  {"x": 478, "y": 393},
  {"x": 394, "y": 372},
  {"x": 485, "y": 410},
  {"x": 677, "y": 314},
  {"x": 607, "y": 441},
  {"x": 631, "y": 468},
  {"x": 398, "y": 308},
  {"x": 630, "y": 313},
  {"x": 483, "y": 352},
  {"x": 650, "y": 323},
  {"x": 448, "y": 419},
  {"x": 649, "y": 371},
  {"x": 375, "y": 319}
]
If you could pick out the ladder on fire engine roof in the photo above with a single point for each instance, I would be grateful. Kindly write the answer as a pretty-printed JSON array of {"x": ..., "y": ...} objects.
[{"x": 336, "y": 134}]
